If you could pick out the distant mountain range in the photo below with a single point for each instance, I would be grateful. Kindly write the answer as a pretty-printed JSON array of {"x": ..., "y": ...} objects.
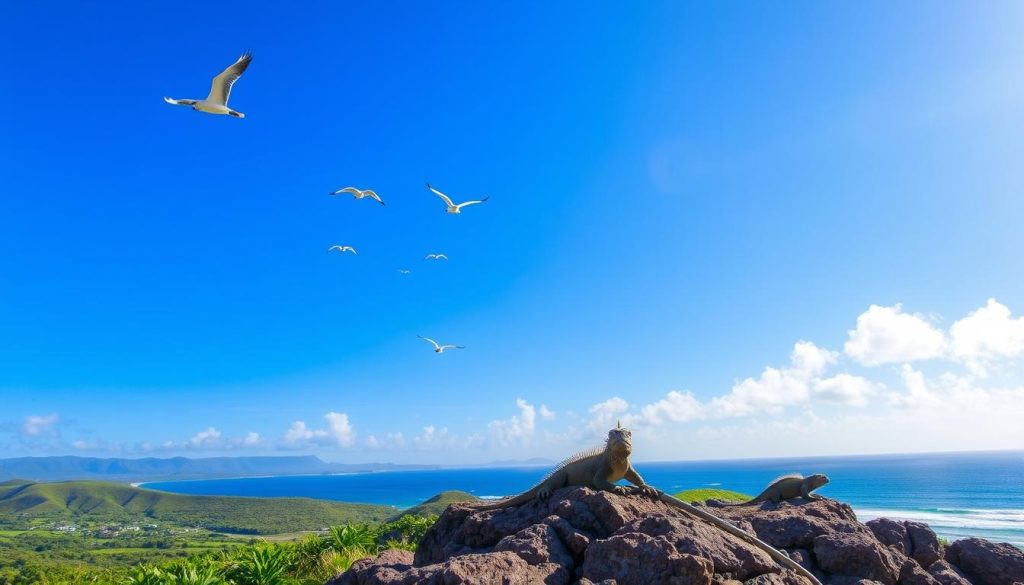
[{"x": 153, "y": 469}]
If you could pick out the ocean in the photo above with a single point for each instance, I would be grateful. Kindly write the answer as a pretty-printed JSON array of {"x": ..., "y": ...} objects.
[{"x": 957, "y": 494}]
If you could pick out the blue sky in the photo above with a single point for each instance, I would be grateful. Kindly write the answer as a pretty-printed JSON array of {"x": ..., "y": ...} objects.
[{"x": 679, "y": 196}]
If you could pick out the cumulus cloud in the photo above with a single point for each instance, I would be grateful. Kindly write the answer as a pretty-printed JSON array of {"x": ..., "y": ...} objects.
[
  {"x": 433, "y": 438},
  {"x": 41, "y": 425},
  {"x": 776, "y": 388},
  {"x": 339, "y": 432},
  {"x": 986, "y": 336},
  {"x": 210, "y": 437},
  {"x": 388, "y": 441},
  {"x": 517, "y": 429},
  {"x": 846, "y": 389},
  {"x": 603, "y": 415},
  {"x": 546, "y": 413},
  {"x": 677, "y": 407},
  {"x": 887, "y": 335}
]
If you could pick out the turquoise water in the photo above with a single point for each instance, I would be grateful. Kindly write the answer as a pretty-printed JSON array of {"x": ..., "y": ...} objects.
[{"x": 963, "y": 494}]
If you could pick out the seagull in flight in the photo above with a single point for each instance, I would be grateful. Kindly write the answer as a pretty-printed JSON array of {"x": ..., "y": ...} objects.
[
  {"x": 452, "y": 207},
  {"x": 220, "y": 91},
  {"x": 342, "y": 249},
  {"x": 360, "y": 193},
  {"x": 438, "y": 348},
  {"x": 435, "y": 257},
  {"x": 403, "y": 271}
]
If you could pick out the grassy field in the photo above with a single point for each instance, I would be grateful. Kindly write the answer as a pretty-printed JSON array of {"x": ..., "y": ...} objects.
[
  {"x": 705, "y": 494},
  {"x": 437, "y": 504},
  {"x": 27, "y": 504}
]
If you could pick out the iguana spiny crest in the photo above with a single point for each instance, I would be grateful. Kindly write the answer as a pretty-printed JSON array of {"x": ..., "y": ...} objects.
[{"x": 597, "y": 469}]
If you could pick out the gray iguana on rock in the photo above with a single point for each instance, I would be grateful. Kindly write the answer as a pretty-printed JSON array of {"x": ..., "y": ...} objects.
[
  {"x": 597, "y": 469},
  {"x": 788, "y": 487}
]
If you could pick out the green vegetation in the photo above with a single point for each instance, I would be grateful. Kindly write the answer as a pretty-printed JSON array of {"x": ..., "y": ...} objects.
[
  {"x": 705, "y": 494},
  {"x": 435, "y": 505},
  {"x": 314, "y": 559},
  {"x": 25, "y": 505},
  {"x": 105, "y": 533},
  {"x": 74, "y": 533}
]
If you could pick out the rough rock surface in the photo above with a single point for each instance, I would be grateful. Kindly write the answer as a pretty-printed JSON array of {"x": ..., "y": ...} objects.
[
  {"x": 913, "y": 539},
  {"x": 987, "y": 563},
  {"x": 587, "y": 537}
]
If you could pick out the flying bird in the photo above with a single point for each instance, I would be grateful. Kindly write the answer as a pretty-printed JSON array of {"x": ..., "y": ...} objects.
[
  {"x": 438, "y": 348},
  {"x": 403, "y": 271},
  {"x": 342, "y": 249},
  {"x": 360, "y": 193},
  {"x": 220, "y": 91},
  {"x": 452, "y": 207},
  {"x": 435, "y": 257}
]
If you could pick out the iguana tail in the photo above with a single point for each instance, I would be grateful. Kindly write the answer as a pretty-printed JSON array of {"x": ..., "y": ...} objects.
[
  {"x": 749, "y": 502},
  {"x": 716, "y": 521}
]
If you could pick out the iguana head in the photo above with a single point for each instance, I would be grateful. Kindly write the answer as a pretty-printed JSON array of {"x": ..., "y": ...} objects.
[
  {"x": 620, "y": 440},
  {"x": 817, "y": 480}
]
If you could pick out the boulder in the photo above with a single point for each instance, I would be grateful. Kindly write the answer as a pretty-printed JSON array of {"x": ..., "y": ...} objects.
[
  {"x": 857, "y": 555},
  {"x": 586, "y": 537},
  {"x": 924, "y": 545},
  {"x": 947, "y": 574},
  {"x": 987, "y": 563},
  {"x": 891, "y": 533}
]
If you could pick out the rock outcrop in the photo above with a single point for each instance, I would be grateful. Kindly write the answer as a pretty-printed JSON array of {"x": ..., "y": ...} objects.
[{"x": 587, "y": 537}]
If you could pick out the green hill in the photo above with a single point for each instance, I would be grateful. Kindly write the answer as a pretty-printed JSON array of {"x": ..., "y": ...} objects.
[
  {"x": 705, "y": 494},
  {"x": 26, "y": 503},
  {"x": 438, "y": 503}
]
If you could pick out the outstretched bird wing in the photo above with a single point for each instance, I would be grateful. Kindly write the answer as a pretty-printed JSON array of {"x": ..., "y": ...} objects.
[
  {"x": 449, "y": 346},
  {"x": 220, "y": 89},
  {"x": 461, "y": 205},
  {"x": 441, "y": 195},
  {"x": 373, "y": 195},
  {"x": 432, "y": 342},
  {"x": 351, "y": 190},
  {"x": 179, "y": 102},
  {"x": 440, "y": 256}
]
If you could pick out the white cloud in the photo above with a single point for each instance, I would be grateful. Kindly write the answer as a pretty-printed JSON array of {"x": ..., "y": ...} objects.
[
  {"x": 776, "y": 388},
  {"x": 339, "y": 432},
  {"x": 518, "y": 428},
  {"x": 40, "y": 425},
  {"x": 677, "y": 407},
  {"x": 388, "y": 441},
  {"x": 603, "y": 415},
  {"x": 987, "y": 335},
  {"x": 887, "y": 335},
  {"x": 433, "y": 438},
  {"x": 210, "y": 437},
  {"x": 545, "y": 413},
  {"x": 846, "y": 389},
  {"x": 252, "y": 439}
]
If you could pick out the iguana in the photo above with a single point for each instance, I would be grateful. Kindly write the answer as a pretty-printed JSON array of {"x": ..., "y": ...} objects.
[
  {"x": 597, "y": 469},
  {"x": 788, "y": 487}
]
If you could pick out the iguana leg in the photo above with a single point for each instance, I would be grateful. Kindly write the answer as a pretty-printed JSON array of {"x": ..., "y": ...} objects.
[
  {"x": 601, "y": 482},
  {"x": 806, "y": 494},
  {"x": 554, "y": 482},
  {"x": 774, "y": 495},
  {"x": 634, "y": 478}
]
